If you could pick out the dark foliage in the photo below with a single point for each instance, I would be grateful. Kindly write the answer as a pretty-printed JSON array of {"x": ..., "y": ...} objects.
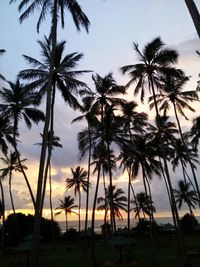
[
  {"x": 188, "y": 223},
  {"x": 20, "y": 225}
]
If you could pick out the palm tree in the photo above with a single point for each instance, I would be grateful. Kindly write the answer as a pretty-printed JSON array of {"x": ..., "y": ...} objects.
[
  {"x": 172, "y": 93},
  {"x": 12, "y": 164},
  {"x": 18, "y": 103},
  {"x": 143, "y": 204},
  {"x": 155, "y": 60},
  {"x": 119, "y": 202},
  {"x": 103, "y": 100},
  {"x": 194, "y": 14},
  {"x": 133, "y": 121},
  {"x": 185, "y": 194},
  {"x": 66, "y": 206},
  {"x": 57, "y": 10},
  {"x": 79, "y": 182},
  {"x": 92, "y": 121},
  {"x": 2, "y": 51}
]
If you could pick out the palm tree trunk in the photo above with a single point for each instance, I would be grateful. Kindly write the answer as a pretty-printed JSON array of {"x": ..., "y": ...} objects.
[
  {"x": 88, "y": 181},
  {"x": 194, "y": 14},
  {"x": 79, "y": 214},
  {"x": 111, "y": 191},
  {"x": 35, "y": 245},
  {"x": 10, "y": 192},
  {"x": 19, "y": 161},
  {"x": 51, "y": 205},
  {"x": 95, "y": 199},
  {"x": 94, "y": 261},
  {"x": 66, "y": 222},
  {"x": 3, "y": 217},
  {"x": 129, "y": 198}
]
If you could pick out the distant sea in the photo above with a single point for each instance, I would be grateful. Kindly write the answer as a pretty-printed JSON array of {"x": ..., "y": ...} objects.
[{"x": 120, "y": 224}]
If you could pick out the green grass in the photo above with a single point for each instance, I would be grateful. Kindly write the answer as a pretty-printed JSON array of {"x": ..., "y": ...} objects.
[{"x": 166, "y": 251}]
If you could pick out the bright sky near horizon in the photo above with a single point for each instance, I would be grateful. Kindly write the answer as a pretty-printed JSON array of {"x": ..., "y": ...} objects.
[{"x": 115, "y": 25}]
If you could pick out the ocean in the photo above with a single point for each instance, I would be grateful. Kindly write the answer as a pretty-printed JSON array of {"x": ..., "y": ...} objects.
[{"x": 120, "y": 224}]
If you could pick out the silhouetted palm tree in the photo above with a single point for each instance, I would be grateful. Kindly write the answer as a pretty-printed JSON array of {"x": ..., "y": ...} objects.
[
  {"x": 12, "y": 165},
  {"x": 103, "y": 100},
  {"x": 143, "y": 204},
  {"x": 79, "y": 182},
  {"x": 119, "y": 202},
  {"x": 92, "y": 122},
  {"x": 66, "y": 206},
  {"x": 184, "y": 194},
  {"x": 57, "y": 10},
  {"x": 155, "y": 60},
  {"x": 18, "y": 103},
  {"x": 132, "y": 122},
  {"x": 172, "y": 93}
]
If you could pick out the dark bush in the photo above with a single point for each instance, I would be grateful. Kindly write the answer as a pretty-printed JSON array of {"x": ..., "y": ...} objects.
[
  {"x": 188, "y": 223},
  {"x": 20, "y": 225}
]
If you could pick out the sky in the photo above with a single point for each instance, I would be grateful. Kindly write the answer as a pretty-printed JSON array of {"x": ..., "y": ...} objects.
[{"x": 115, "y": 25}]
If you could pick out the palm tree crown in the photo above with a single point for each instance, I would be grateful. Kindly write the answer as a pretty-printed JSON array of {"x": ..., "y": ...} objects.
[{"x": 79, "y": 17}]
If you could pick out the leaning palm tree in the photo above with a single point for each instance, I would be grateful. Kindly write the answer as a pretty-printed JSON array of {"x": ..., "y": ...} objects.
[
  {"x": 66, "y": 206},
  {"x": 194, "y": 14},
  {"x": 185, "y": 194},
  {"x": 57, "y": 10},
  {"x": 79, "y": 182},
  {"x": 18, "y": 103},
  {"x": 11, "y": 165},
  {"x": 119, "y": 203}
]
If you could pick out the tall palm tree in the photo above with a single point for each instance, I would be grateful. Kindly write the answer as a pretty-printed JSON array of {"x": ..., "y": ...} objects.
[
  {"x": 155, "y": 60},
  {"x": 12, "y": 165},
  {"x": 66, "y": 206},
  {"x": 194, "y": 14},
  {"x": 143, "y": 203},
  {"x": 185, "y": 194},
  {"x": 57, "y": 10},
  {"x": 172, "y": 93},
  {"x": 119, "y": 202},
  {"x": 103, "y": 99},
  {"x": 2, "y": 51},
  {"x": 18, "y": 103},
  {"x": 133, "y": 121},
  {"x": 79, "y": 182}
]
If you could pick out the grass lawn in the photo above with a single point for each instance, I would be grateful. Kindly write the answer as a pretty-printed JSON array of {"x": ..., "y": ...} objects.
[{"x": 77, "y": 254}]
